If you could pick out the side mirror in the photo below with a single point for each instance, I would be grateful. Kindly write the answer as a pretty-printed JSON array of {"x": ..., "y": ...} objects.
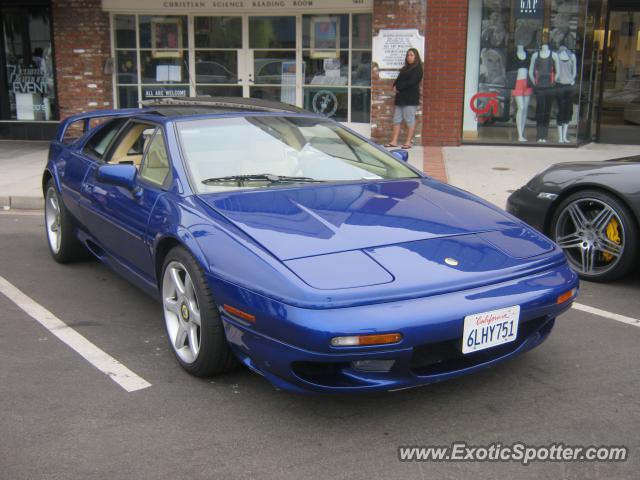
[
  {"x": 401, "y": 155},
  {"x": 123, "y": 175}
]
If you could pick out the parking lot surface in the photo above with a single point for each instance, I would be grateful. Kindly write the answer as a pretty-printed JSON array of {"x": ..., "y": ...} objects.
[{"x": 63, "y": 418}]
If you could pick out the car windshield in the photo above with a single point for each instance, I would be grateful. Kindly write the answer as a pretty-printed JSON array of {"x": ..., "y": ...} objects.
[{"x": 261, "y": 151}]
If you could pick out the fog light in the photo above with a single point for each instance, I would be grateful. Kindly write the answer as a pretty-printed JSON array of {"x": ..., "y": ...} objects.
[
  {"x": 357, "y": 340},
  {"x": 373, "y": 365},
  {"x": 566, "y": 296}
]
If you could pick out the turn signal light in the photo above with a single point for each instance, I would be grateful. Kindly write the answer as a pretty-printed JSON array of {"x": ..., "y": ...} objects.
[
  {"x": 358, "y": 340},
  {"x": 566, "y": 296},
  {"x": 239, "y": 313}
]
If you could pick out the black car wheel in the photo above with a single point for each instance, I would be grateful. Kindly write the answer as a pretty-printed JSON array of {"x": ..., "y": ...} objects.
[
  {"x": 192, "y": 321},
  {"x": 63, "y": 243},
  {"x": 597, "y": 233}
]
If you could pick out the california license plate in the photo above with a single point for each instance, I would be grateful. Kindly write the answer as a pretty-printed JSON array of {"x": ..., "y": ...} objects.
[{"x": 488, "y": 329}]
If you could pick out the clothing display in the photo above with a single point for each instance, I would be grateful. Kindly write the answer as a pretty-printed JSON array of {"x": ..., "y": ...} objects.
[
  {"x": 544, "y": 100},
  {"x": 564, "y": 97},
  {"x": 544, "y": 71},
  {"x": 522, "y": 89}
]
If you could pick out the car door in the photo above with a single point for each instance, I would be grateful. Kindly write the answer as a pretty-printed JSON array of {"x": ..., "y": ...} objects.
[
  {"x": 117, "y": 217},
  {"x": 75, "y": 164}
]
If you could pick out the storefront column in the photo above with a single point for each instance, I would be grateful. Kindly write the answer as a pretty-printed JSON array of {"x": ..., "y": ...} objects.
[
  {"x": 444, "y": 74},
  {"x": 82, "y": 48},
  {"x": 390, "y": 14}
]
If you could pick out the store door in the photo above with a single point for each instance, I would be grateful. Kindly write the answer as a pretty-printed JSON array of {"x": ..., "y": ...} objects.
[
  {"x": 271, "y": 58},
  {"x": 620, "y": 102}
]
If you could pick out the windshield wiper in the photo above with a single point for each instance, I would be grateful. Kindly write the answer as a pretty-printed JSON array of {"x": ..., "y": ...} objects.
[{"x": 260, "y": 177}]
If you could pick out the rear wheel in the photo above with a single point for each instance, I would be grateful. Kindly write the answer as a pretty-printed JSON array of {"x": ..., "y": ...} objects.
[
  {"x": 63, "y": 243},
  {"x": 597, "y": 233},
  {"x": 192, "y": 321}
]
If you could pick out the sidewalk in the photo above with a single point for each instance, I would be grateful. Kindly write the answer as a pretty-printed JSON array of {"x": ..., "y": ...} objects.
[{"x": 488, "y": 171}]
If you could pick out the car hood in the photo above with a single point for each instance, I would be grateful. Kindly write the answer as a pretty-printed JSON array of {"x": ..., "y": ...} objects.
[
  {"x": 320, "y": 219},
  {"x": 420, "y": 235}
]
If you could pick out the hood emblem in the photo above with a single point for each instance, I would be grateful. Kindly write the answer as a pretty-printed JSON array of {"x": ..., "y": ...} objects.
[{"x": 451, "y": 261}]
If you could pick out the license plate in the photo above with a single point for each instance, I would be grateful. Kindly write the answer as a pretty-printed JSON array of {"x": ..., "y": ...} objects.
[{"x": 488, "y": 329}]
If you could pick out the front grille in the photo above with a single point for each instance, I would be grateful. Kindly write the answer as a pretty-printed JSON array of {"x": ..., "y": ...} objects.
[{"x": 447, "y": 356}]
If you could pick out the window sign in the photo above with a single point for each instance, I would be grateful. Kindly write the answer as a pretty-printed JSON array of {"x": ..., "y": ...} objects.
[
  {"x": 529, "y": 9},
  {"x": 390, "y": 48},
  {"x": 29, "y": 64},
  {"x": 324, "y": 37}
]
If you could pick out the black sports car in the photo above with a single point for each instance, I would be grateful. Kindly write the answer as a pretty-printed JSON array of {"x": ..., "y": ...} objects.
[{"x": 591, "y": 210}]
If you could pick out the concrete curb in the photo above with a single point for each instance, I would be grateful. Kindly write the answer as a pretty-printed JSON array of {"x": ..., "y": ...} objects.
[{"x": 21, "y": 202}]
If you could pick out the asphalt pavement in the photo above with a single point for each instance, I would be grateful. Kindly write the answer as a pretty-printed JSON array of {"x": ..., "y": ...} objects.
[{"x": 64, "y": 419}]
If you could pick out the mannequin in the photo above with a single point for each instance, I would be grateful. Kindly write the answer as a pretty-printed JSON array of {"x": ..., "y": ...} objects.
[
  {"x": 521, "y": 92},
  {"x": 542, "y": 73},
  {"x": 566, "y": 79}
]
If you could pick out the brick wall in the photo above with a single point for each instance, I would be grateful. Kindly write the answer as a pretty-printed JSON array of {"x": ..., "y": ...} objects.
[
  {"x": 392, "y": 14},
  {"x": 443, "y": 88},
  {"x": 81, "y": 46}
]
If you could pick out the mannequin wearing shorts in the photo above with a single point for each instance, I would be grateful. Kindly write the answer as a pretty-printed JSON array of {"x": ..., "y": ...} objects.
[{"x": 522, "y": 91}]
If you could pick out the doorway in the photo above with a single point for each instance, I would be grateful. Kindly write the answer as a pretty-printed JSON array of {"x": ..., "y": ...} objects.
[{"x": 620, "y": 102}]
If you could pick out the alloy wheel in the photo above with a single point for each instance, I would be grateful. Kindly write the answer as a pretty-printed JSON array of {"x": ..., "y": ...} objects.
[
  {"x": 181, "y": 312},
  {"x": 592, "y": 236},
  {"x": 52, "y": 219}
]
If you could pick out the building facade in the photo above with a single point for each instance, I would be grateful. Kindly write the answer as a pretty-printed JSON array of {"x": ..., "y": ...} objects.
[{"x": 522, "y": 72}]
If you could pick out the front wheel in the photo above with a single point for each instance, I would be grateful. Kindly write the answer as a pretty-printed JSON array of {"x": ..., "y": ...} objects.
[
  {"x": 597, "y": 233},
  {"x": 192, "y": 321}
]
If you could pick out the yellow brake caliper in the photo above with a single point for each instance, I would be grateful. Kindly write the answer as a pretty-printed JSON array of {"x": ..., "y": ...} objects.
[{"x": 613, "y": 234}]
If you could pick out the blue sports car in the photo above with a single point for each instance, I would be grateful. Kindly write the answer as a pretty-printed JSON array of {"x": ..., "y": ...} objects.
[{"x": 284, "y": 241}]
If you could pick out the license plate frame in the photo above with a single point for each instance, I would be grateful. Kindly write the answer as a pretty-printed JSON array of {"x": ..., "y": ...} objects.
[{"x": 490, "y": 329}]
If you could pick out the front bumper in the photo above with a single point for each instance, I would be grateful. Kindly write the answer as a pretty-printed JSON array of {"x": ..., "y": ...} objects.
[
  {"x": 429, "y": 351},
  {"x": 525, "y": 204}
]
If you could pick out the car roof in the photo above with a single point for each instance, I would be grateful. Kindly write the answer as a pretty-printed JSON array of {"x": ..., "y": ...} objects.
[{"x": 172, "y": 108}]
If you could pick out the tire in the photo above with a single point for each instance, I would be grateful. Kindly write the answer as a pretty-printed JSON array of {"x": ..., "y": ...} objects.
[
  {"x": 598, "y": 234},
  {"x": 60, "y": 229},
  {"x": 202, "y": 350}
]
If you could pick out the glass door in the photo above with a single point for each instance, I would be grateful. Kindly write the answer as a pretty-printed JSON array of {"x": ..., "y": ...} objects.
[
  {"x": 219, "y": 56},
  {"x": 271, "y": 58},
  {"x": 620, "y": 106}
]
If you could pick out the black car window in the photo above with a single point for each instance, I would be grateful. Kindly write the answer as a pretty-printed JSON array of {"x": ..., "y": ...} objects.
[{"x": 98, "y": 143}]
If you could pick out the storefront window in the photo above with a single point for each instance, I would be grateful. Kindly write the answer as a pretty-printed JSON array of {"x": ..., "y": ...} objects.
[
  {"x": 320, "y": 62},
  {"x": 27, "y": 85},
  {"x": 523, "y": 71}
]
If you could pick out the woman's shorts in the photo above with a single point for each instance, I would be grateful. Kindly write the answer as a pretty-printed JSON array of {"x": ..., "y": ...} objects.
[
  {"x": 522, "y": 89},
  {"x": 406, "y": 112}
]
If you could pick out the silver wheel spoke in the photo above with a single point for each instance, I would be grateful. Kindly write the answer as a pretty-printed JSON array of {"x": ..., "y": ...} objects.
[
  {"x": 195, "y": 316},
  {"x": 171, "y": 304},
  {"x": 194, "y": 340},
  {"x": 603, "y": 218},
  {"x": 578, "y": 218},
  {"x": 181, "y": 337},
  {"x": 177, "y": 281},
  {"x": 188, "y": 288},
  {"x": 587, "y": 258},
  {"x": 569, "y": 241},
  {"x": 609, "y": 246}
]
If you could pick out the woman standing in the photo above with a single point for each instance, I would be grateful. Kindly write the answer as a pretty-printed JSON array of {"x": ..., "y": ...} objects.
[{"x": 407, "y": 88}]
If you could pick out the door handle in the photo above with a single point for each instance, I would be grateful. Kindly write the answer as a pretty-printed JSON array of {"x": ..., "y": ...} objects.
[{"x": 88, "y": 188}]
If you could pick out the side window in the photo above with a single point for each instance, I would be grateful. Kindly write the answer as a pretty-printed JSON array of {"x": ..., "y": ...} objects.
[
  {"x": 131, "y": 144},
  {"x": 155, "y": 165},
  {"x": 98, "y": 143}
]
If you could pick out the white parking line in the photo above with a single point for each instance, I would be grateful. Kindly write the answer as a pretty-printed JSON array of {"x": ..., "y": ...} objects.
[
  {"x": 603, "y": 313},
  {"x": 96, "y": 357}
]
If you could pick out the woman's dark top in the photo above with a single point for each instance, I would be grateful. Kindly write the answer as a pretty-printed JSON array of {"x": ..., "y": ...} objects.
[{"x": 408, "y": 86}]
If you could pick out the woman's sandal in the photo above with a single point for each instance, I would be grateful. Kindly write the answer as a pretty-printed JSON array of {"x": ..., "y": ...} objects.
[
  {"x": 406, "y": 147},
  {"x": 390, "y": 145}
]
